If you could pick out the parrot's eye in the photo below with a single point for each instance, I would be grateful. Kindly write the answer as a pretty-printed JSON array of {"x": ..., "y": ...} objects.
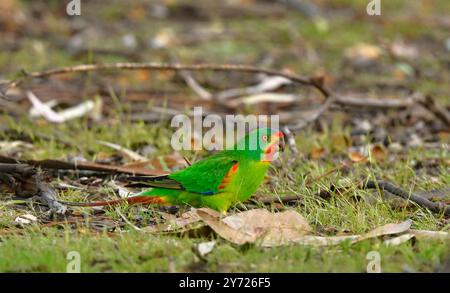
[{"x": 264, "y": 137}]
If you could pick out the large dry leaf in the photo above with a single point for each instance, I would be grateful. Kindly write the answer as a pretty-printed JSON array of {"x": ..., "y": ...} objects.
[
  {"x": 257, "y": 226},
  {"x": 333, "y": 240},
  {"x": 399, "y": 239},
  {"x": 387, "y": 229},
  {"x": 25, "y": 219},
  {"x": 276, "y": 229},
  {"x": 425, "y": 234}
]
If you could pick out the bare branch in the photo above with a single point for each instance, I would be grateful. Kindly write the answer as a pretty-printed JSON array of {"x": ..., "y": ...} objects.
[
  {"x": 436, "y": 207},
  {"x": 165, "y": 66}
]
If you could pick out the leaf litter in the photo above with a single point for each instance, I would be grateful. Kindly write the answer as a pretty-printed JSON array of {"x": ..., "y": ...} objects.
[{"x": 266, "y": 229}]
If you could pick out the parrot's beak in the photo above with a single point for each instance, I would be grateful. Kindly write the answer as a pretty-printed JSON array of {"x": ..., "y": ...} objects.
[
  {"x": 276, "y": 144},
  {"x": 278, "y": 137}
]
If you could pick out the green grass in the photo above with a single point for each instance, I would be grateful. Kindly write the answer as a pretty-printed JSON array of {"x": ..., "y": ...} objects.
[
  {"x": 125, "y": 250},
  {"x": 132, "y": 251}
]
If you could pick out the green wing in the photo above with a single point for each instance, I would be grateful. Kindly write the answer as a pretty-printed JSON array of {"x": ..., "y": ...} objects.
[{"x": 204, "y": 177}]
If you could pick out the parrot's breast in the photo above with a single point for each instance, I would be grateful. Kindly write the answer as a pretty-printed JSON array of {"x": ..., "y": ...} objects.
[{"x": 248, "y": 179}]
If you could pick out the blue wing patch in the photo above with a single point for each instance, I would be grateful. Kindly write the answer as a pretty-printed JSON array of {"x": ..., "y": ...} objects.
[{"x": 207, "y": 192}]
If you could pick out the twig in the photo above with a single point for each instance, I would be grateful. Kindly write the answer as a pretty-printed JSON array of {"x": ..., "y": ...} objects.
[
  {"x": 195, "y": 86},
  {"x": 374, "y": 103},
  {"x": 128, "y": 221},
  {"x": 81, "y": 165},
  {"x": 315, "y": 82},
  {"x": 304, "y": 122},
  {"x": 48, "y": 196},
  {"x": 436, "y": 207},
  {"x": 281, "y": 199},
  {"x": 290, "y": 140},
  {"x": 26, "y": 181},
  {"x": 438, "y": 110},
  {"x": 165, "y": 66}
]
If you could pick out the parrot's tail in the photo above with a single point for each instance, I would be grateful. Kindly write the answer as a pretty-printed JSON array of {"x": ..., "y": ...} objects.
[{"x": 140, "y": 199}]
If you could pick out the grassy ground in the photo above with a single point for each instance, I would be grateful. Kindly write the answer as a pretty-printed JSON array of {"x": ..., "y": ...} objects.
[
  {"x": 114, "y": 248},
  {"x": 123, "y": 249}
]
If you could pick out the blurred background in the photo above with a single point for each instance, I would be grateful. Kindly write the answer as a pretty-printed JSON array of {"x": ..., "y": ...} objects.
[{"x": 404, "y": 49}]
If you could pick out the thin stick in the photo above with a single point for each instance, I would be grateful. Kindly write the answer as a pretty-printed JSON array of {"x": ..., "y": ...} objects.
[
  {"x": 290, "y": 140},
  {"x": 128, "y": 221},
  {"x": 436, "y": 207},
  {"x": 438, "y": 110},
  {"x": 166, "y": 66},
  {"x": 315, "y": 116}
]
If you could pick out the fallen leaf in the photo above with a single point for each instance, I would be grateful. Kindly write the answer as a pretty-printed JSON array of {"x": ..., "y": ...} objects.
[
  {"x": 401, "y": 50},
  {"x": 276, "y": 229},
  {"x": 323, "y": 240},
  {"x": 47, "y": 112},
  {"x": 387, "y": 229},
  {"x": 25, "y": 219},
  {"x": 426, "y": 234},
  {"x": 204, "y": 248},
  {"x": 122, "y": 191},
  {"x": 379, "y": 152},
  {"x": 267, "y": 84},
  {"x": 318, "y": 153},
  {"x": 257, "y": 226},
  {"x": 357, "y": 157},
  {"x": 362, "y": 55},
  {"x": 399, "y": 239},
  {"x": 163, "y": 39},
  {"x": 263, "y": 98}
]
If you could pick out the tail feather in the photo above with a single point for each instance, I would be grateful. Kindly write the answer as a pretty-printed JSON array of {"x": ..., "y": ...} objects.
[{"x": 140, "y": 199}]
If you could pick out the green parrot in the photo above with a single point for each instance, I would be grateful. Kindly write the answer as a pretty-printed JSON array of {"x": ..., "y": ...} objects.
[{"x": 217, "y": 182}]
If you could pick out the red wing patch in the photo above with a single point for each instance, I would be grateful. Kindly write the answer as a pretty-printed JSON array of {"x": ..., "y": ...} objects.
[{"x": 228, "y": 176}]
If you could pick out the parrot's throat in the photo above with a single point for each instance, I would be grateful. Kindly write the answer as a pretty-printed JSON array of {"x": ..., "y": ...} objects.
[{"x": 270, "y": 153}]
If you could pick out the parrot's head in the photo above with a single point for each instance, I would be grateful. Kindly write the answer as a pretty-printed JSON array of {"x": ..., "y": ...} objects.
[{"x": 263, "y": 144}]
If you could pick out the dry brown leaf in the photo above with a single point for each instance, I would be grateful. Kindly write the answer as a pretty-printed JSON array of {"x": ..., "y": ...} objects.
[
  {"x": 362, "y": 54},
  {"x": 399, "y": 239},
  {"x": 356, "y": 157},
  {"x": 323, "y": 240},
  {"x": 318, "y": 153},
  {"x": 387, "y": 229},
  {"x": 418, "y": 234},
  {"x": 25, "y": 219},
  {"x": 426, "y": 234},
  {"x": 276, "y": 229},
  {"x": 379, "y": 152},
  {"x": 257, "y": 226}
]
